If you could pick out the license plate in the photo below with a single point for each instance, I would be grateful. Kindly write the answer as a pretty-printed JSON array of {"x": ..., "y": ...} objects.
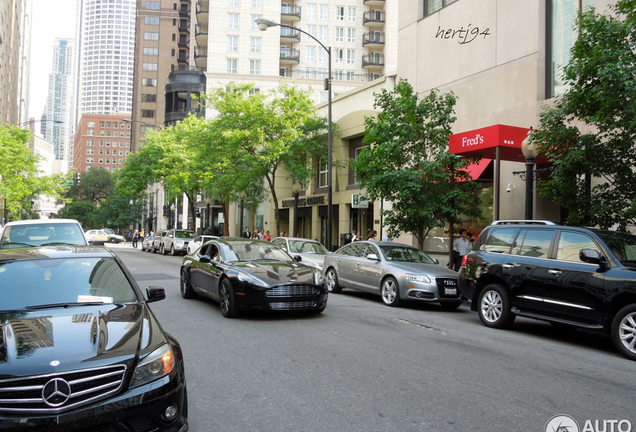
[{"x": 450, "y": 291}]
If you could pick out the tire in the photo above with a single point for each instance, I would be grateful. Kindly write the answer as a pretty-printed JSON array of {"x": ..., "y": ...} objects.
[
  {"x": 113, "y": 240},
  {"x": 451, "y": 306},
  {"x": 390, "y": 292},
  {"x": 624, "y": 331},
  {"x": 163, "y": 250},
  {"x": 331, "y": 280},
  {"x": 172, "y": 250},
  {"x": 494, "y": 307},
  {"x": 226, "y": 297},
  {"x": 187, "y": 292}
]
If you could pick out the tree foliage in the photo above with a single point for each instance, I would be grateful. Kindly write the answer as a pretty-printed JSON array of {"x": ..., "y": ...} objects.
[
  {"x": 408, "y": 163},
  {"x": 268, "y": 131},
  {"x": 601, "y": 90},
  {"x": 21, "y": 179}
]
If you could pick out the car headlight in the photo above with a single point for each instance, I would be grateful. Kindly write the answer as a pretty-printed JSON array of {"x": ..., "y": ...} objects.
[
  {"x": 179, "y": 242},
  {"x": 156, "y": 365},
  {"x": 319, "y": 278},
  {"x": 418, "y": 278},
  {"x": 252, "y": 280}
]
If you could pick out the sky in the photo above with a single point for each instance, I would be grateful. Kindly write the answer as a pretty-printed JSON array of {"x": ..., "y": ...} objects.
[{"x": 50, "y": 19}]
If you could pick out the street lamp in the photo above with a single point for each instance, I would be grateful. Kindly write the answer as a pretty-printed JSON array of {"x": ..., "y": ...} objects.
[
  {"x": 40, "y": 121},
  {"x": 154, "y": 126},
  {"x": 263, "y": 25},
  {"x": 133, "y": 209},
  {"x": 172, "y": 214},
  {"x": 529, "y": 150},
  {"x": 296, "y": 188}
]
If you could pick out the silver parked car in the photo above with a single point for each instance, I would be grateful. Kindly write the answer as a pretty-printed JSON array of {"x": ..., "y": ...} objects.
[
  {"x": 176, "y": 241},
  {"x": 312, "y": 252},
  {"x": 195, "y": 244},
  {"x": 397, "y": 272}
]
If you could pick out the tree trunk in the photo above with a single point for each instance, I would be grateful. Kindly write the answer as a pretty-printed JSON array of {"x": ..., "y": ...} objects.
[
  {"x": 191, "y": 204},
  {"x": 271, "y": 182}
]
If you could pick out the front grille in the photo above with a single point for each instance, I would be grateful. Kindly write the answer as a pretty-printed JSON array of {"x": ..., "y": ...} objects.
[
  {"x": 62, "y": 390},
  {"x": 448, "y": 287},
  {"x": 292, "y": 291},
  {"x": 292, "y": 305}
]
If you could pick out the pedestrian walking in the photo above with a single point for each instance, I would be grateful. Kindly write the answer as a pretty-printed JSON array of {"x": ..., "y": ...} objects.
[
  {"x": 354, "y": 236},
  {"x": 461, "y": 247},
  {"x": 371, "y": 235},
  {"x": 135, "y": 239}
]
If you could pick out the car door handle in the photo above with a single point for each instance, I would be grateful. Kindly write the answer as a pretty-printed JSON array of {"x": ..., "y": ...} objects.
[
  {"x": 555, "y": 272},
  {"x": 508, "y": 266}
]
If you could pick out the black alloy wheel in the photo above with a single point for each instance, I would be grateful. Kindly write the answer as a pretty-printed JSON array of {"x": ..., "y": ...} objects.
[
  {"x": 187, "y": 292},
  {"x": 227, "y": 300}
]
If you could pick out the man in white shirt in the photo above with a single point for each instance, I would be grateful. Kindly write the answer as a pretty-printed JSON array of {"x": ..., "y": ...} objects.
[{"x": 461, "y": 247}]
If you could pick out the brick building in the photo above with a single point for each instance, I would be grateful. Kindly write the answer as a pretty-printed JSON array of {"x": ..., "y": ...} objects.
[{"x": 102, "y": 140}]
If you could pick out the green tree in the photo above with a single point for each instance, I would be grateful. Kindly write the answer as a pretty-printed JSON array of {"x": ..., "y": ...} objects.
[
  {"x": 601, "y": 89},
  {"x": 95, "y": 186},
  {"x": 116, "y": 212},
  {"x": 269, "y": 131},
  {"x": 408, "y": 163},
  {"x": 21, "y": 180}
]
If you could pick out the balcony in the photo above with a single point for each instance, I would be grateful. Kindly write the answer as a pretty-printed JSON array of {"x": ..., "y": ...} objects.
[
  {"x": 289, "y": 13},
  {"x": 201, "y": 34},
  {"x": 291, "y": 56},
  {"x": 374, "y": 18},
  {"x": 201, "y": 57},
  {"x": 183, "y": 60},
  {"x": 184, "y": 43},
  {"x": 373, "y": 61},
  {"x": 377, "y": 3},
  {"x": 184, "y": 26},
  {"x": 184, "y": 12},
  {"x": 203, "y": 9},
  {"x": 373, "y": 40},
  {"x": 289, "y": 35}
]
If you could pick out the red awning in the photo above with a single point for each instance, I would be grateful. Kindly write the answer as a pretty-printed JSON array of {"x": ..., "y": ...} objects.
[
  {"x": 484, "y": 142},
  {"x": 476, "y": 169}
]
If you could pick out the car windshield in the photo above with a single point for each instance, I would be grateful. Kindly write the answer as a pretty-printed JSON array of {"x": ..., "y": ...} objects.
[
  {"x": 33, "y": 283},
  {"x": 623, "y": 245},
  {"x": 44, "y": 234},
  {"x": 405, "y": 254},
  {"x": 308, "y": 247},
  {"x": 253, "y": 251},
  {"x": 184, "y": 234},
  {"x": 108, "y": 231}
]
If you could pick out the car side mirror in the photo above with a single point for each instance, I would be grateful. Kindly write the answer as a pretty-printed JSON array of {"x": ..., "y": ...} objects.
[
  {"x": 205, "y": 259},
  {"x": 155, "y": 293},
  {"x": 592, "y": 257},
  {"x": 297, "y": 258},
  {"x": 435, "y": 261},
  {"x": 373, "y": 257}
]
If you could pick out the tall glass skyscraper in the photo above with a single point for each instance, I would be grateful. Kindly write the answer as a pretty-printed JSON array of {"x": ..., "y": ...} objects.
[{"x": 58, "y": 127}]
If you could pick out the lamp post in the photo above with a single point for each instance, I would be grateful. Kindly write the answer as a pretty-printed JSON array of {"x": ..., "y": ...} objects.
[
  {"x": 529, "y": 150},
  {"x": 263, "y": 25},
  {"x": 30, "y": 122},
  {"x": 172, "y": 215},
  {"x": 208, "y": 219},
  {"x": 133, "y": 209},
  {"x": 296, "y": 188}
]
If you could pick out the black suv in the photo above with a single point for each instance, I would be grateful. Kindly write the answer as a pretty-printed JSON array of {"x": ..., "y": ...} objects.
[{"x": 570, "y": 277}]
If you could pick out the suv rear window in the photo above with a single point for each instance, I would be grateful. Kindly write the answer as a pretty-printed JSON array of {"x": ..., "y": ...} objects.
[{"x": 500, "y": 240}]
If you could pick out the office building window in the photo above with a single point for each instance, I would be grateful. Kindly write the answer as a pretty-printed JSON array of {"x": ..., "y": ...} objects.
[
  {"x": 351, "y": 76},
  {"x": 339, "y": 34},
  {"x": 232, "y": 21},
  {"x": 148, "y": 113},
  {"x": 340, "y": 13},
  {"x": 338, "y": 75},
  {"x": 255, "y": 45},
  {"x": 322, "y": 173},
  {"x": 90, "y": 160},
  {"x": 322, "y": 33},
  {"x": 152, "y": 67},
  {"x": 351, "y": 14},
  {"x": 322, "y": 56},
  {"x": 232, "y": 66},
  {"x": 153, "y": 5},
  {"x": 310, "y": 54},
  {"x": 151, "y": 36},
  {"x": 232, "y": 43},
  {"x": 351, "y": 35},
  {"x": 146, "y": 97},
  {"x": 311, "y": 11},
  {"x": 257, "y": 4},
  {"x": 148, "y": 82},
  {"x": 151, "y": 51},
  {"x": 253, "y": 25},
  {"x": 90, "y": 132},
  {"x": 323, "y": 11},
  {"x": 90, "y": 124},
  {"x": 432, "y": 6},
  {"x": 311, "y": 29},
  {"x": 234, "y": 3},
  {"x": 90, "y": 151},
  {"x": 351, "y": 57},
  {"x": 151, "y": 20},
  {"x": 338, "y": 56},
  {"x": 255, "y": 67},
  {"x": 90, "y": 143},
  {"x": 284, "y": 72}
]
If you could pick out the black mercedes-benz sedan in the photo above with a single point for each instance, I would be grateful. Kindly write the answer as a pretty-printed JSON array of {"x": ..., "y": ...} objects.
[
  {"x": 252, "y": 275},
  {"x": 80, "y": 350}
]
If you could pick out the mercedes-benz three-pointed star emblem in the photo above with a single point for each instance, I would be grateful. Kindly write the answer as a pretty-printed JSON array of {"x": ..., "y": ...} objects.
[{"x": 56, "y": 392}]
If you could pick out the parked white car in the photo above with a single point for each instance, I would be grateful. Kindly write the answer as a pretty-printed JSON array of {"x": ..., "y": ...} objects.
[
  {"x": 195, "y": 244},
  {"x": 42, "y": 232}
]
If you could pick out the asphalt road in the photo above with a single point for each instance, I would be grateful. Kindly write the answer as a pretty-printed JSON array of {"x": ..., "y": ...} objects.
[{"x": 363, "y": 366}]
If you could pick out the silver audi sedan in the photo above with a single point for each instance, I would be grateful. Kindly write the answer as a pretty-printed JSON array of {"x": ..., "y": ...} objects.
[{"x": 397, "y": 272}]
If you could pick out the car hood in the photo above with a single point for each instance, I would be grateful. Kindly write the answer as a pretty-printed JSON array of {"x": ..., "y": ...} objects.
[
  {"x": 75, "y": 338},
  {"x": 314, "y": 258},
  {"x": 433, "y": 270},
  {"x": 279, "y": 272}
]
